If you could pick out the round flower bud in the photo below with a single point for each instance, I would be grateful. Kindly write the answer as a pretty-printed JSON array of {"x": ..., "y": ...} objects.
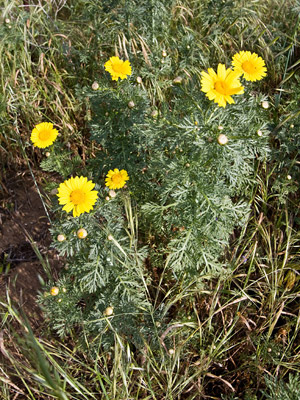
[
  {"x": 108, "y": 311},
  {"x": 188, "y": 47},
  {"x": 164, "y": 53},
  {"x": 59, "y": 300},
  {"x": 7, "y": 20},
  {"x": 158, "y": 324},
  {"x": 289, "y": 177},
  {"x": 110, "y": 237},
  {"x": 54, "y": 291},
  {"x": 130, "y": 104},
  {"x": 47, "y": 154},
  {"x": 222, "y": 139},
  {"x": 139, "y": 80},
  {"x": 154, "y": 114},
  {"x": 61, "y": 237},
  {"x": 64, "y": 290},
  {"x": 112, "y": 193},
  {"x": 82, "y": 233},
  {"x": 107, "y": 198},
  {"x": 265, "y": 104},
  {"x": 171, "y": 352},
  {"x": 259, "y": 133},
  {"x": 178, "y": 80},
  {"x": 187, "y": 165},
  {"x": 292, "y": 126},
  {"x": 220, "y": 127},
  {"x": 95, "y": 86},
  {"x": 196, "y": 123}
]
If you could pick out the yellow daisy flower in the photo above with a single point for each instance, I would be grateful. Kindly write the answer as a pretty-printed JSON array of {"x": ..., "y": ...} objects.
[
  {"x": 43, "y": 135},
  {"x": 77, "y": 195},
  {"x": 249, "y": 65},
  {"x": 116, "y": 179},
  {"x": 118, "y": 68},
  {"x": 222, "y": 85}
]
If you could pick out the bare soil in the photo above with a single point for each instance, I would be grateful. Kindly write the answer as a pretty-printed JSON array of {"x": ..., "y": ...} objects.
[{"x": 24, "y": 228}]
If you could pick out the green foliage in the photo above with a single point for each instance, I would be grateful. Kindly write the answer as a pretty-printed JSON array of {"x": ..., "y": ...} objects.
[
  {"x": 280, "y": 390},
  {"x": 187, "y": 191},
  {"x": 154, "y": 269}
]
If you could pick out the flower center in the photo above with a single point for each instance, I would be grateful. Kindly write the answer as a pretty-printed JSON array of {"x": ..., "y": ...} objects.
[
  {"x": 221, "y": 87},
  {"x": 118, "y": 68},
  {"x": 117, "y": 178},
  {"x": 249, "y": 67},
  {"x": 77, "y": 197},
  {"x": 44, "y": 135}
]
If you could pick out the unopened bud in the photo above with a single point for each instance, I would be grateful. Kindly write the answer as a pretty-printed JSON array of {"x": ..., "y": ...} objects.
[
  {"x": 130, "y": 104},
  {"x": 108, "y": 311},
  {"x": 220, "y": 127},
  {"x": 61, "y": 237},
  {"x": 139, "y": 80},
  {"x": 54, "y": 291},
  {"x": 154, "y": 114},
  {"x": 82, "y": 233},
  {"x": 110, "y": 237},
  {"x": 178, "y": 80},
  {"x": 265, "y": 104},
  {"x": 171, "y": 351},
  {"x": 259, "y": 133},
  {"x": 222, "y": 139},
  {"x": 95, "y": 86},
  {"x": 47, "y": 154},
  {"x": 112, "y": 193},
  {"x": 164, "y": 53},
  {"x": 7, "y": 20}
]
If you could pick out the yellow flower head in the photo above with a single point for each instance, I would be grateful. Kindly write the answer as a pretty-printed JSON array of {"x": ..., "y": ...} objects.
[
  {"x": 220, "y": 86},
  {"x": 116, "y": 179},
  {"x": 43, "y": 135},
  {"x": 249, "y": 65},
  {"x": 118, "y": 68},
  {"x": 77, "y": 195}
]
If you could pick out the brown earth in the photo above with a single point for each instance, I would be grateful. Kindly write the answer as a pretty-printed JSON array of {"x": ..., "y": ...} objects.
[{"x": 24, "y": 243}]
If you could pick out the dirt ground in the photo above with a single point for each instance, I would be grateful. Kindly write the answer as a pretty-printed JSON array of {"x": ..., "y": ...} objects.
[{"x": 24, "y": 226}]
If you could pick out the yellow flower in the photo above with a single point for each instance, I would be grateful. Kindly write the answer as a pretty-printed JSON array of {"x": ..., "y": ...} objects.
[
  {"x": 116, "y": 179},
  {"x": 249, "y": 65},
  {"x": 118, "y": 68},
  {"x": 43, "y": 135},
  {"x": 77, "y": 195},
  {"x": 222, "y": 85}
]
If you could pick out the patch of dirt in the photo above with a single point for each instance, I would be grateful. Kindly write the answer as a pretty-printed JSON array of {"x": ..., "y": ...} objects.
[{"x": 24, "y": 232}]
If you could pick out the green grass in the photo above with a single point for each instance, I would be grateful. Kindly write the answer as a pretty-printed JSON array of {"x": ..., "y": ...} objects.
[{"x": 224, "y": 336}]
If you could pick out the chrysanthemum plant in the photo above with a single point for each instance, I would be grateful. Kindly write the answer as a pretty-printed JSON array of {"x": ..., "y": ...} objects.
[{"x": 165, "y": 190}]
